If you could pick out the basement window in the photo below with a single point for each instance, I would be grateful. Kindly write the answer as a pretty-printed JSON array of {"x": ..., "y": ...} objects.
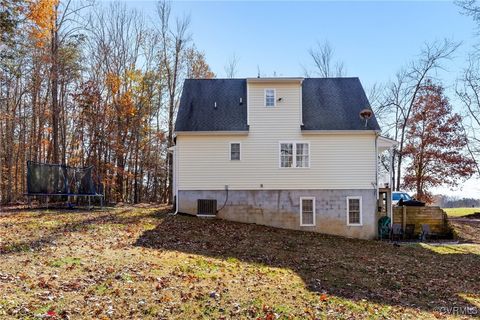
[
  {"x": 235, "y": 151},
  {"x": 269, "y": 97},
  {"x": 354, "y": 211},
  {"x": 307, "y": 211}
]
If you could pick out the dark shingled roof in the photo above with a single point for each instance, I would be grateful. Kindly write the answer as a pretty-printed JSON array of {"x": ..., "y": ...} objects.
[
  {"x": 197, "y": 110},
  {"x": 335, "y": 104},
  {"x": 328, "y": 104}
]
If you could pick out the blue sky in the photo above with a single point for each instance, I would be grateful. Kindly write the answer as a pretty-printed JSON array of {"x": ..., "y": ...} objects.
[{"x": 373, "y": 39}]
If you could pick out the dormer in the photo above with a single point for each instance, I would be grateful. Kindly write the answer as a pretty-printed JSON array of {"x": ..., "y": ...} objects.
[{"x": 277, "y": 99}]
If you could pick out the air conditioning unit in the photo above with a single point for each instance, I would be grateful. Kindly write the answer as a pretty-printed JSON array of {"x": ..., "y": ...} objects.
[{"x": 206, "y": 207}]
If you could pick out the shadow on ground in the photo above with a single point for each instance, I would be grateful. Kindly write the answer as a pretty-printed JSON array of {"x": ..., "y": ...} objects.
[
  {"x": 81, "y": 220},
  {"x": 409, "y": 276}
]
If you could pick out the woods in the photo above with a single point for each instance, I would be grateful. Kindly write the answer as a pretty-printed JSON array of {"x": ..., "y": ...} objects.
[
  {"x": 84, "y": 83},
  {"x": 87, "y": 84}
]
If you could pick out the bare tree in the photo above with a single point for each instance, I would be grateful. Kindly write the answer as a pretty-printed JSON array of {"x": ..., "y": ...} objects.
[
  {"x": 92, "y": 87},
  {"x": 402, "y": 93},
  {"x": 324, "y": 64},
  {"x": 173, "y": 57},
  {"x": 468, "y": 86},
  {"x": 468, "y": 91},
  {"x": 375, "y": 97},
  {"x": 231, "y": 67},
  {"x": 64, "y": 27},
  {"x": 470, "y": 8}
]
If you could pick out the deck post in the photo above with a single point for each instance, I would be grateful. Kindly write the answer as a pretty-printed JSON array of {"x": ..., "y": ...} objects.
[{"x": 404, "y": 220}]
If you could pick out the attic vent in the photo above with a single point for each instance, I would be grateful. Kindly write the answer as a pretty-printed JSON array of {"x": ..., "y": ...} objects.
[
  {"x": 215, "y": 105},
  {"x": 206, "y": 207}
]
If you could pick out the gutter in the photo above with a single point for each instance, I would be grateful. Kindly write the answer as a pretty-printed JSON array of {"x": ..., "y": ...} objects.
[
  {"x": 336, "y": 132},
  {"x": 210, "y": 133}
]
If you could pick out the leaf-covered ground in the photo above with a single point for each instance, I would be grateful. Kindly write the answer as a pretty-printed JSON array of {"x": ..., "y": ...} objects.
[{"x": 140, "y": 263}]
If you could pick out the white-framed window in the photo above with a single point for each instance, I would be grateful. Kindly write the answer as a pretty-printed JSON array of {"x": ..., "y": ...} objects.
[
  {"x": 307, "y": 211},
  {"x": 235, "y": 150},
  {"x": 354, "y": 211},
  {"x": 270, "y": 97},
  {"x": 294, "y": 154}
]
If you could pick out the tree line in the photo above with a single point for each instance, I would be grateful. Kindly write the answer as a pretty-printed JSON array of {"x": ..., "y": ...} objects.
[
  {"x": 456, "y": 202},
  {"x": 89, "y": 84},
  {"x": 85, "y": 84},
  {"x": 438, "y": 145}
]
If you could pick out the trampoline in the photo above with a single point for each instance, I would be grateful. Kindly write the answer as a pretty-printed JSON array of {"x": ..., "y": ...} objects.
[{"x": 48, "y": 180}]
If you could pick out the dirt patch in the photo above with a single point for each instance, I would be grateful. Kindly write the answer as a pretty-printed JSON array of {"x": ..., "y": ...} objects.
[
  {"x": 467, "y": 227},
  {"x": 466, "y": 230},
  {"x": 475, "y": 215}
]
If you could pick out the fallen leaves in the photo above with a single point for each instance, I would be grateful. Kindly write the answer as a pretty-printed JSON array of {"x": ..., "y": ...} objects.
[{"x": 130, "y": 263}]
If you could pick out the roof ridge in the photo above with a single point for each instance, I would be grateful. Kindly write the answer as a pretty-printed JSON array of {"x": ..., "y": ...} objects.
[{"x": 271, "y": 78}]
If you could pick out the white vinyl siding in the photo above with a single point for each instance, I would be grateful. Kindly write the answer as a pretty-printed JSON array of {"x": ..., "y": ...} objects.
[
  {"x": 354, "y": 211},
  {"x": 307, "y": 211},
  {"x": 336, "y": 161}
]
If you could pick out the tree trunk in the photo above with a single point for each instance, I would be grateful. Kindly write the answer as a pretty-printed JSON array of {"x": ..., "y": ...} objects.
[{"x": 54, "y": 84}]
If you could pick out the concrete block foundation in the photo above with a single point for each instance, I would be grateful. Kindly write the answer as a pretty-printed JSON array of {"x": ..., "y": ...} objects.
[{"x": 281, "y": 209}]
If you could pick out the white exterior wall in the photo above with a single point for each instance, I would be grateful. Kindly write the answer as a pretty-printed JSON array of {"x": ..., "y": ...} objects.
[{"x": 337, "y": 161}]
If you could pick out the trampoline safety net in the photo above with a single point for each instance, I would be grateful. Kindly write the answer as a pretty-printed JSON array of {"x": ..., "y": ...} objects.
[{"x": 55, "y": 179}]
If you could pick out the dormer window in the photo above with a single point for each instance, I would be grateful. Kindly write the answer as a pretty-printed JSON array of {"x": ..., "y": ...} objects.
[{"x": 269, "y": 97}]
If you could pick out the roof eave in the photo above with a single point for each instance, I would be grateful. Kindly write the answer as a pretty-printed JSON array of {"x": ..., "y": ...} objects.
[
  {"x": 368, "y": 131},
  {"x": 212, "y": 132},
  {"x": 276, "y": 79}
]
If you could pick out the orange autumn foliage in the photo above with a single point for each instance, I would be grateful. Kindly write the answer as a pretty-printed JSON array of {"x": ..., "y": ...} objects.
[
  {"x": 435, "y": 144},
  {"x": 127, "y": 104},
  {"x": 113, "y": 82},
  {"x": 43, "y": 14}
]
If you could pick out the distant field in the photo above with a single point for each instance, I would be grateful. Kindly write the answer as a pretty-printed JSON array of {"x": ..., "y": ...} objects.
[{"x": 458, "y": 212}]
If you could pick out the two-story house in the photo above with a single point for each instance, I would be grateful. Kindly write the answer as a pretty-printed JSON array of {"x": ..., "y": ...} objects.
[{"x": 294, "y": 153}]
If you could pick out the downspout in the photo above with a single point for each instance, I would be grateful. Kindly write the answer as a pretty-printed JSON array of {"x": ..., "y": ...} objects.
[
  {"x": 390, "y": 183},
  {"x": 377, "y": 134},
  {"x": 175, "y": 177}
]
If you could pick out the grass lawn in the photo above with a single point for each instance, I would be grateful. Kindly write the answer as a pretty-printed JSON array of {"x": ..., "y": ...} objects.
[
  {"x": 458, "y": 212},
  {"x": 139, "y": 263}
]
